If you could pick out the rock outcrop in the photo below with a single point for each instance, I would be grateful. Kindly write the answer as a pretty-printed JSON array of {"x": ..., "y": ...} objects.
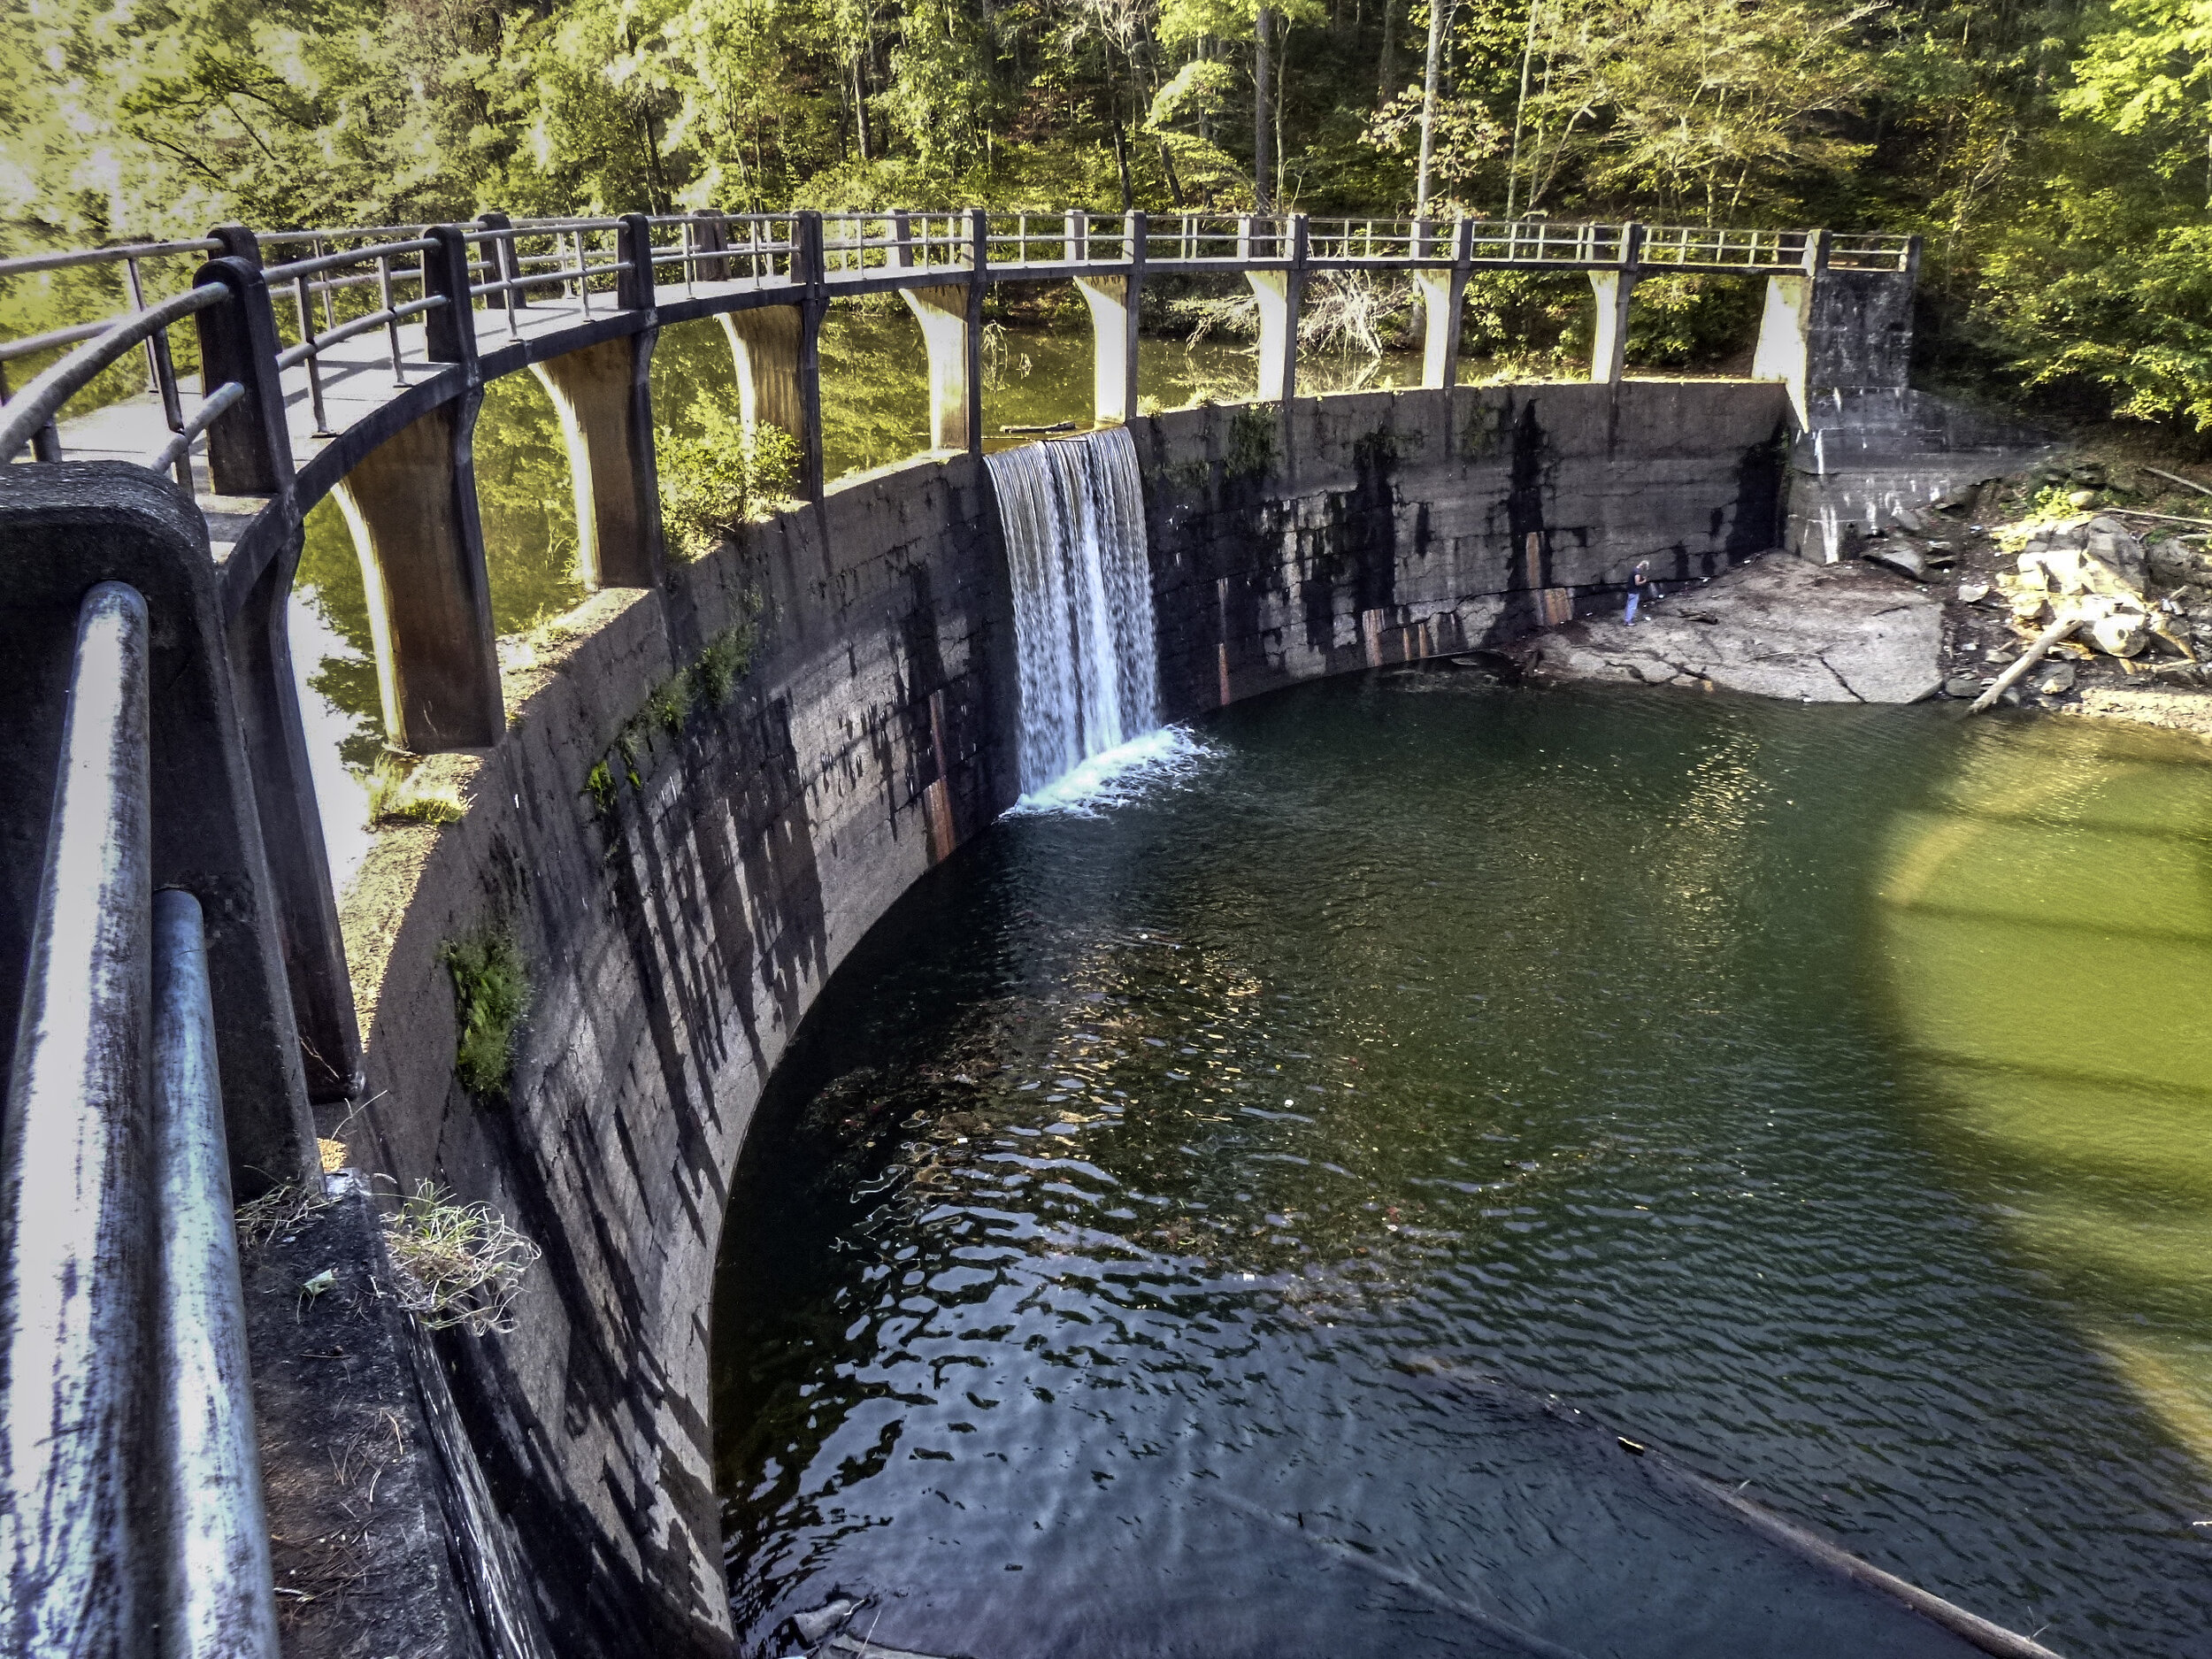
[{"x": 1780, "y": 627}]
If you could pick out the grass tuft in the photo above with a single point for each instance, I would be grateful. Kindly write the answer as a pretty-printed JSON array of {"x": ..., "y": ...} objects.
[
  {"x": 454, "y": 1264},
  {"x": 398, "y": 793},
  {"x": 491, "y": 992},
  {"x": 280, "y": 1211}
]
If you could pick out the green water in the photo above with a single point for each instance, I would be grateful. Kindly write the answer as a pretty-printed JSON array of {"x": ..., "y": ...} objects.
[{"x": 1170, "y": 1225}]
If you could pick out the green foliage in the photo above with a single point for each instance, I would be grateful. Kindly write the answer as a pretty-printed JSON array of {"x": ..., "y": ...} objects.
[
  {"x": 1252, "y": 439},
  {"x": 724, "y": 475},
  {"x": 723, "y": 664},
  {"x": 599, "y": 785},
  {"x": 491, "y": 993}
]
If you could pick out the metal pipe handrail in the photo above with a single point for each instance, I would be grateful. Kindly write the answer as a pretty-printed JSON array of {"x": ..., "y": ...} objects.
[
  {"x": 23, "y": 265},
  {"x": 217, "y": 1582},
  {"x": 130, "y": 1498},
  {"x": 180, "y": 445},
  {"x": 38, "y": 403},
  {"x": 75, "y": 1166},
  {"x": 271, "y": 238},
  {"x": 354, "y": 256}
]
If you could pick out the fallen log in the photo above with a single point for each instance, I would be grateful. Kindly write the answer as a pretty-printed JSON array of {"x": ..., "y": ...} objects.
[
  {"x": 2028, "y": 659},
  {"x": 2175, "y": 478}
]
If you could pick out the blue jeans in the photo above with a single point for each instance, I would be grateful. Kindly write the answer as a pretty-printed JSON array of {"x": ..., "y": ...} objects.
[{"x": 1634, "y": 594}]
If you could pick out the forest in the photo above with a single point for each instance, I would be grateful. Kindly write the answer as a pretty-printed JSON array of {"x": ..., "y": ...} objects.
[{"x": 2056, "y": 156}]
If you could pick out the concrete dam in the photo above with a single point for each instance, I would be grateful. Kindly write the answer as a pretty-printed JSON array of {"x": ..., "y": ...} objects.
[{"x": 682, "y": 809}]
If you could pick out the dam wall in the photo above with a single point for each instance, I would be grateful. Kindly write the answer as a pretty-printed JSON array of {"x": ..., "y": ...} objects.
[{"x": 708, "y": 791}]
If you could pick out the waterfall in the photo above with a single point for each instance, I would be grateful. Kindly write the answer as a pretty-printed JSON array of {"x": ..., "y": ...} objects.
[{"x": 1072, "y": 512}]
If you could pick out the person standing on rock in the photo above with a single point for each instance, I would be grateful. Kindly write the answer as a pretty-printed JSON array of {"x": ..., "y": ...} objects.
[{"x": 1636, "y": 590}]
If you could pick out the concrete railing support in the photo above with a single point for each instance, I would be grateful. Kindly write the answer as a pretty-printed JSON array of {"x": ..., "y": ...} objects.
[
  {"x": 1615, "y": 291},
  {"x": 1784, "y": 351},
  {"x": 248, "y": 446},
  {"x": 956, "y": 421},
  {"x": 1280, "y": 295},
  {"x": 768, "y": 346},
  {"x": 1113, "y": 302},
  {"x": 602, "y": 395},
  {"x": 410, "y": 503},
  {"x": 1443, "y": 293}
]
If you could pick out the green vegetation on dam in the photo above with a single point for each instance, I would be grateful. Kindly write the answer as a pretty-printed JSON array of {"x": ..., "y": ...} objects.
[{"x": 1173, "y": 1220}]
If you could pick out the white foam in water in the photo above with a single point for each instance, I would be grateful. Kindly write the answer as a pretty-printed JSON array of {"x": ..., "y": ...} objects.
[
  {"x": 1117, "y": 774},
  {"x": 1073, "y": 517}
]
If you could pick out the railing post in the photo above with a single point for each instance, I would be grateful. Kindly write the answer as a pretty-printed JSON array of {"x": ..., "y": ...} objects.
[
  {"x": 979, "y": 226},
  {"x": 1615, "y": 290},
  {"x": 710, "y": 235},
  {"x": 1079, "y": 236},
  {"x": 901, "y": 239},
  {"x": 448, "y": 330},
  {"x": 809, "y": 264},
  {"x": 504, "y": 259},
  {"x": 237, "y": 243},
  {"x": 634, "y": 289},
  {"x": 249, "y": 444}
]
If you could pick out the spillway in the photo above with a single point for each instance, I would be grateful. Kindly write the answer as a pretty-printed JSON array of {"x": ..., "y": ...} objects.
[{"x": 1073, "y": 513}]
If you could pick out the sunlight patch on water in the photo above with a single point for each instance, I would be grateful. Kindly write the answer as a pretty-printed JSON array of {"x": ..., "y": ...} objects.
[
  {"x": 2049, "y": 931},
  {"x": 1118, "y": 775}
]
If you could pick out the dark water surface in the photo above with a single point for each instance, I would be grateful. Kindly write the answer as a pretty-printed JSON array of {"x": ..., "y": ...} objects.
[{"x": 1166, "y": 1233}]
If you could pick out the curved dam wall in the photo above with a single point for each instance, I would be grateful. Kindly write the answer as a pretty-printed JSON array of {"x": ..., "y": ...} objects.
[{"x": 706, "y": 792}]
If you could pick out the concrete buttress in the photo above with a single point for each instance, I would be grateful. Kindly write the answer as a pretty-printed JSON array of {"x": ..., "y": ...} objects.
[
  {"x": 602, "y": 397},
  {"x": 410, "y": 503}
]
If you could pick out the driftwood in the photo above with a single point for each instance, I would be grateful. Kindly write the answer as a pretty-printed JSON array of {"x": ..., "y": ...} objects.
[
  {"x": 2175, "y": 478},
  {"x": 2163, "y": 517},
  {"x": 2029, "y": 658}
]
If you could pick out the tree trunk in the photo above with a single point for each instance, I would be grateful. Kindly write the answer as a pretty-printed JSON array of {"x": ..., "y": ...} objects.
[
  {"x": 1121, "y": 144},
  {"x": 1387, "y": 67},
  {"x": 1262, "y": 160},
  {"x": 1437, "y": 11},
  {"x": 860, "y": 109}
]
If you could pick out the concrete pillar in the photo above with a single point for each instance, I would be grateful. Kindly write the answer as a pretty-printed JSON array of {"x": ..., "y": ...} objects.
[
  {"x": 1280, "y": 295},
  {"x": 410, "y": 503},
  {"x": 1609, "y": 342},
  {"x": 1442, "y": 292},
  {"x": 1785, "y": 334},
  {"x": 1114, "y": 335},
  {"x": 779, "y": 356},
  {"x": 1615, "y": 290},
  {"x": 767, "y": 344},
  {"x": 602, "y": 395},
  {"x": 955, "y": 379}
]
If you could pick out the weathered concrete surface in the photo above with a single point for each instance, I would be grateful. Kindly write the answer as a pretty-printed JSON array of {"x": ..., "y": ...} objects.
[
  {"x": 1780, "y": 627},
  {"x": 675, "y": 935},
  {"x": 1388, "y": 527},
  {"x": 682, "y": 879}
]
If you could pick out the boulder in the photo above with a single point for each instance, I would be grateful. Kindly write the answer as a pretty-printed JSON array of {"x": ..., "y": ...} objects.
[
  {"x": 2054, "y": 680},
  {"x": 2121, "y": 633}
]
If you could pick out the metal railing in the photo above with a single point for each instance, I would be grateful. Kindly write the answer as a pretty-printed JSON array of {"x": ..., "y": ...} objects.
[
  {"x": 318, "y": 288},
  {"x": 857, "y": 245},
  {"x": 1228, "y": 238},
  {"x": 1751, "y": 249},
  {"x": 30, "y": 417},
  {"x": 130, "y": 1496}
]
